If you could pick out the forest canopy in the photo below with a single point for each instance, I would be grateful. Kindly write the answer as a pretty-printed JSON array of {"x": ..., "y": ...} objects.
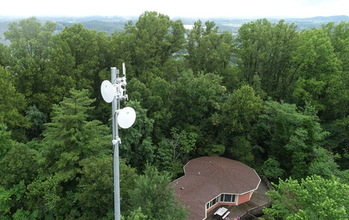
[{"x": 271, "y": 96}]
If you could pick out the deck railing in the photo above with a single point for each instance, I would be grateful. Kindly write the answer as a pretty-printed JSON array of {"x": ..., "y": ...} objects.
[{"x": 258, "y": 211}]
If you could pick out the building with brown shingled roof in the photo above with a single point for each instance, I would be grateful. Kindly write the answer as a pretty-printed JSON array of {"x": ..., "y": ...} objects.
[{"x": 210, "y": 182}]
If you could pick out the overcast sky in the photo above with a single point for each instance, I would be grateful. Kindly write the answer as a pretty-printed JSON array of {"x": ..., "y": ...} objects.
[{"x": 175, "y": 8}]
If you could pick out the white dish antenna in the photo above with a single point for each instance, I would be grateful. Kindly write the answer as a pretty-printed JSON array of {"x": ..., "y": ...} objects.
[
  {"x": 108, "y": 91},
  {"x": 126, "y": 117}
]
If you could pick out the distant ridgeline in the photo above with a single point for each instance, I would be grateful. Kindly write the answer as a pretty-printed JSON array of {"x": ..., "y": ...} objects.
[{"x": 112, "y": 24}]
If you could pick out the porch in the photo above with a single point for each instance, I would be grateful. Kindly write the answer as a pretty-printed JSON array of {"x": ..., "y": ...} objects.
[{"x": 248, "y": 209}]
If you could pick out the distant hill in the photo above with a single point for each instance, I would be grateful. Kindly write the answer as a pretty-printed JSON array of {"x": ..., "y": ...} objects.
[
  {"x": 107, "y": 24},
  {"x": 99, "y": 23},
  {"x": 3, "y": 29},
  {"x": 233, "y": 24},
  {"x": 304, "y": 23},
  {"x": 112, "y": 24}
]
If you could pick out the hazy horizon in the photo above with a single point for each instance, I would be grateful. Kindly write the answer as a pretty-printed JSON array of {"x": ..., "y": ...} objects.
[
  {"x": 14, "y": 17},
  {"x": 179, "y": 8}
]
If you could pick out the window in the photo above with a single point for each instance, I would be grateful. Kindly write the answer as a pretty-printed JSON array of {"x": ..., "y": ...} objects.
[
  {"x": 222, "y": 198},
  {"x": 214, "y": 201},
  {"x": 227, "y": 198}
]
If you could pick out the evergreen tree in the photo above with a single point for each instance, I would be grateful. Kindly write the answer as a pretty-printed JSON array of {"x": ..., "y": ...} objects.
[{"x": 69, "y": 139}]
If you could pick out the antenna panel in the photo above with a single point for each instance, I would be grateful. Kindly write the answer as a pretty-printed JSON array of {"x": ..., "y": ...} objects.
[
  {"x": 126, "y": 117},
  {"x": 107, "y": 91}
]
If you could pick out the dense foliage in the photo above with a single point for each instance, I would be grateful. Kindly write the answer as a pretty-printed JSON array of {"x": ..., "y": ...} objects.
[
  {"x": 272, "y": 97},
  {"x": 295, "y": 199}
]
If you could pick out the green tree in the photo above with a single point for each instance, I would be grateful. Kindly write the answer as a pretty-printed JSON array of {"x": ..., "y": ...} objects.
[
  {"x": 195, "y": 99},
  {"x": 137, "y": 146},
  {"x": 158, "y": 105},
  {"x": 265, "y": 50},
  {"x": 309, "y": 198},
  {"x": 72, "y": 131},
  {"x": 155, "y": 198},
  {"x": 136, "y": 215},
  {"x": 69, "y": 139},
  {"x": 37, "y": 120},
  {"x": 4, "y": 55},
  {"x": 12, "y": 105},
  {"x": 85, "y": 48},
  {"x": 339, "y": 35},
  {"x": 18, "y": 168},
  {"x": 11, "y": 199},
  {"x": 172, "y": 154},
  {"x": 271, "y": 169},
  {"x": 148, "y": 44},
  {"x": 95, "y": 189},
  {"x": 340, "y": 140},
  {"x": 30, "y": 50},
  {"x": 40, "y": 63},
  {"x": 155, "y": 97},
  {"x": 6, "y": 143},
  {"x": 20, "y": 163},
  {"x": 316, "y": 65},
  {"x": 290, "y": 136},
  {"x": 338, "y": 92},
  {"x": 208, "y": 50},
  {"x": 235, "y": 120},
  {"x": 94, "y": 192},
  {"x": 324, "y": 164}
]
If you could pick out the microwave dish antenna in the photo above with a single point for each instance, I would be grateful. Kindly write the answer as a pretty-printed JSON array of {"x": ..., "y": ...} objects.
[
  {"x": 126, "y": 117},
  {"x": 108, "y": 91}
]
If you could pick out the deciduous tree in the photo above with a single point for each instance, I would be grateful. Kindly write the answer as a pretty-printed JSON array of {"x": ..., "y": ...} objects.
[
  {"x": 310, "y": 198},
  {"x": 155, "y": 198},
  {"x": 136, "y": 145},
  {"x": 266, "y": 50},
  {"x": 234, "y": 121},
  {"x": 316, "y": 65},
  {"x": 12, "y": 105},
  {"x": 149, "y": 43},
  {"x": 39, "y": 62},
  {"x": 290, "y": 136},
  {"x": 208, "y": 50}
]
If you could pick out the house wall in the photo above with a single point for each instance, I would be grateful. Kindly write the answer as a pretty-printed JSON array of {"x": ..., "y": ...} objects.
[{"x": 244, "y": 198}]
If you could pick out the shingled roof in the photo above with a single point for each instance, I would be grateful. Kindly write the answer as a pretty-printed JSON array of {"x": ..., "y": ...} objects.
[{"x": 207, "y": 177}]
